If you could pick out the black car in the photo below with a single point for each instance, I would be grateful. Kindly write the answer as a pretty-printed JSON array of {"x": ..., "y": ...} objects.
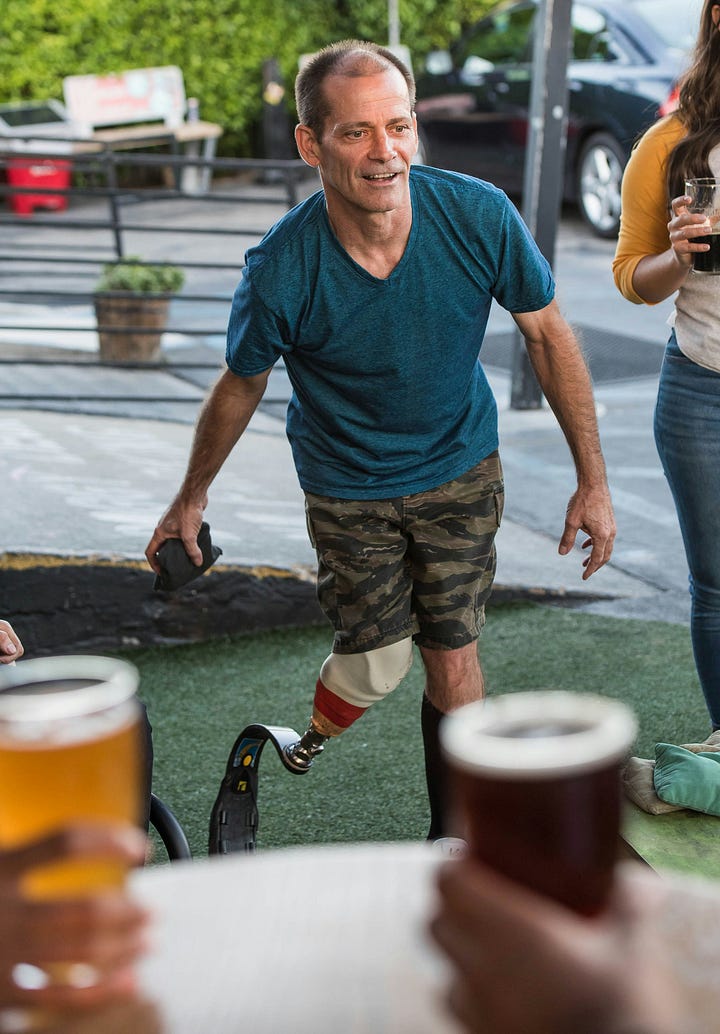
[{"x": 626, "y": 55}]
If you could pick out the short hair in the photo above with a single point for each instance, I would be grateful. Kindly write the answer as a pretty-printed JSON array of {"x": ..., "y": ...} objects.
[{"x": 349, "y": 57}]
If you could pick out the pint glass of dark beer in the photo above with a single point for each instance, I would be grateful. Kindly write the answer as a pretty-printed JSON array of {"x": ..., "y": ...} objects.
[
  {"x": 536, "y": 791},
  {"x": 705, "y": 194}
]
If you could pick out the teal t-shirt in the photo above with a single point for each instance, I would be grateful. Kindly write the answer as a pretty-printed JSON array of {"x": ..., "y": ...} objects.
[{"x": 389, "y": 396}]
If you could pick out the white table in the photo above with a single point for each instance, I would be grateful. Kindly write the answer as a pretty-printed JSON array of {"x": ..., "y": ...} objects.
[
  {"x": 328, "y": 940},
  {"x": 331, "y": 940}
]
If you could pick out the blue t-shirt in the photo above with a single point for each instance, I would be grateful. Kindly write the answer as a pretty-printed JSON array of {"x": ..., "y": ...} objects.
[{"x": 389, "y": 396}]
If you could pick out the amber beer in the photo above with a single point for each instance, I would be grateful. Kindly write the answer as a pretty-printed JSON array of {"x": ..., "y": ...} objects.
[
  {"x": 705, "y": 194},
  {"x": 70, "y": 750},
  {"x": 535, "y": 784}
]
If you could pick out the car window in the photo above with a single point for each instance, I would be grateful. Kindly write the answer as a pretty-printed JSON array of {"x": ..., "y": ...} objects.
[
  {"x": 502, "y": 39},
  {"x": 593, "y": 39},
  {"x": 676, "y": 24}
]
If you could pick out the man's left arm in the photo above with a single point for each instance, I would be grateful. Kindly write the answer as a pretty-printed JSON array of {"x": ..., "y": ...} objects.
[{"x": 563, "y": 376}]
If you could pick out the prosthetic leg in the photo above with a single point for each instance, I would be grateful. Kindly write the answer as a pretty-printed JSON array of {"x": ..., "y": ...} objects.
[
  {"x": 234, "y": 817},
  {"x": 349, "y": 683}
]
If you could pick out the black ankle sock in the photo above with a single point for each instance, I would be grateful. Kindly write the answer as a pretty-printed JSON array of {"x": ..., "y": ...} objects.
[{"x": 430, "y": 719}]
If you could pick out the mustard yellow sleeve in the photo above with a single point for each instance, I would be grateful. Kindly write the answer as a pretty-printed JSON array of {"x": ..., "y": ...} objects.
[{"x": 645, "y": 212}]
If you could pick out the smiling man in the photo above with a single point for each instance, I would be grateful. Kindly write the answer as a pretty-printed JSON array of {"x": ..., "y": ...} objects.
[{"x": 375, "y": 292}]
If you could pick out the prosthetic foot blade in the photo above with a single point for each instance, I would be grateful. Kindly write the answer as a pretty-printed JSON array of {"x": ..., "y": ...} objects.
[{"x": 234, "y": 817}]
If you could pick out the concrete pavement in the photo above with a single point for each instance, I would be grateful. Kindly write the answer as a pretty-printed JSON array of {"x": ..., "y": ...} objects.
[{"x": 84, "y": 482}]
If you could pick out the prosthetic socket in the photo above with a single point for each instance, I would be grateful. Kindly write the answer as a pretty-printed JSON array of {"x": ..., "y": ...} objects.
[{"x": 349, "y": 683}]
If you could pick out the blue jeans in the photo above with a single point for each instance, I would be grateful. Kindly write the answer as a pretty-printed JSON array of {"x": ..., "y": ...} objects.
[{"x": 687, "y": 436}]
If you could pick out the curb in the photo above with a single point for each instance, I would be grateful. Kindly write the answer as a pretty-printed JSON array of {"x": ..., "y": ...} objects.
[{"x": 65, "y": 604}]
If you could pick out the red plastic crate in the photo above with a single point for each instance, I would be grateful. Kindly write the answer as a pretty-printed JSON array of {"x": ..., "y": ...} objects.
[{"x": 46, "y": 175}]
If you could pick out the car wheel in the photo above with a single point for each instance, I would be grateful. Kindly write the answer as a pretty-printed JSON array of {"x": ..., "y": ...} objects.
[{"x": 599, "y": 175}]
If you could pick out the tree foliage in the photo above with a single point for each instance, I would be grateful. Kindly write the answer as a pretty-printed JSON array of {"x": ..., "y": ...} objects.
[{"x": 220, "y": 45}]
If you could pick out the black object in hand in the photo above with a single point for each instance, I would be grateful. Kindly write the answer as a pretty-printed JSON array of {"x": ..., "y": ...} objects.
[{"x": 176, "y": 566}]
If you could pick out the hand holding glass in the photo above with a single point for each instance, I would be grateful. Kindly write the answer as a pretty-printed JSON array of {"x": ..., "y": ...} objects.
[
  {"x": 705, "y": 194},
  {"x": 536, "y": 790}
]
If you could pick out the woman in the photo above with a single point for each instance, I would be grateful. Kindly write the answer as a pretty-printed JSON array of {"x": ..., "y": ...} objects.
[{"x": 654, "y": 259}]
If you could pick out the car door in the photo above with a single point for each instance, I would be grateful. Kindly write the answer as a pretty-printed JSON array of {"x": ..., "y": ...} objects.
[{"x": 476, "y": 119}]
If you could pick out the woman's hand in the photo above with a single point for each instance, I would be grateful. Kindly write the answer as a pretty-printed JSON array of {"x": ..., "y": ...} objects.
[{"x": 683, "y": 229}]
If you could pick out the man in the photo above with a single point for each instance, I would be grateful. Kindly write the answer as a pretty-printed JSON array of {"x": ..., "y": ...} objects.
[{"x": 376, "y": 293}]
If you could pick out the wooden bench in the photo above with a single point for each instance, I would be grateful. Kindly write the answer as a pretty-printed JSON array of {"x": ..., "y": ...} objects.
[
  {"x": 682, "y": 841},
  {"x": 141, "y": 107}
]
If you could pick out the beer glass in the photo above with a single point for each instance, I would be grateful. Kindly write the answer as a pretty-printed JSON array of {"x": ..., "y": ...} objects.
[
  {"x": 536, "y": 790},
  {"x": 705, "y": 194},
  {"x": 70, "y": 750}
]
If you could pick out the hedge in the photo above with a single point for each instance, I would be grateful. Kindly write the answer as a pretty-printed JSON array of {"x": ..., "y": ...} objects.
[{"x": 220, "y": 45}]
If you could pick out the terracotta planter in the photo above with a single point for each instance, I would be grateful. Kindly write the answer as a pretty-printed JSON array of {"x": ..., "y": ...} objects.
[{"x": 130, "y": 326}]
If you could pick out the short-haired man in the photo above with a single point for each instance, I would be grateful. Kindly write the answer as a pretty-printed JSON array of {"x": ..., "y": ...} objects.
[{"x": 375, "y": 292}]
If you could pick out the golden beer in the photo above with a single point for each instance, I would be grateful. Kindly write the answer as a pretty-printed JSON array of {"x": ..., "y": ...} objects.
[{"x": 69, "y": 751}]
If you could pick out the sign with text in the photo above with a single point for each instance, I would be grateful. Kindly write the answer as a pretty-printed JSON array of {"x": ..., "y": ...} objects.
[{"x": 138, "y": 95}]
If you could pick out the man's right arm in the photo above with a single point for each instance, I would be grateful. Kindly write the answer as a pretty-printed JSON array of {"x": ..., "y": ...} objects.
[{"x": 223, "y": 418}]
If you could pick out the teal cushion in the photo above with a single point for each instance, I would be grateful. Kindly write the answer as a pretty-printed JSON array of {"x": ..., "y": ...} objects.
[{"x": 686, "y": 779}]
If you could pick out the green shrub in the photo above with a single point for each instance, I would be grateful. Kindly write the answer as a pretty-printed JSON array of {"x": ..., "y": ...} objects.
[
  {"x": 220, "y": 45},
  {"x": 132, "y": 274}
]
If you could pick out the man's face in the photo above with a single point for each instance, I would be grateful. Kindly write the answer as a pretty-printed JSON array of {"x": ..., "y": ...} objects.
[{"x": 368, "y": 142}]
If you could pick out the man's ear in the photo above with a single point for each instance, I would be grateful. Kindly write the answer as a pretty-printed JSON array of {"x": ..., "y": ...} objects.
[{"x": 307, "y": 145}]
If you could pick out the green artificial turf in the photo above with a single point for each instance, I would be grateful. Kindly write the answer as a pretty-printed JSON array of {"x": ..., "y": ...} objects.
[{"x": 369, "y": 784}]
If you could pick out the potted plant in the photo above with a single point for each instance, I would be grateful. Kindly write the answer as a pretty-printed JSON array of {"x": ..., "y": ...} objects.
[{"x": 132, "y": 299}]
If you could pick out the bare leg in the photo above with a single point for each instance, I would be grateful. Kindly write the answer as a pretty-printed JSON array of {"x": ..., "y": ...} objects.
[{"x": 453, "y": 677}]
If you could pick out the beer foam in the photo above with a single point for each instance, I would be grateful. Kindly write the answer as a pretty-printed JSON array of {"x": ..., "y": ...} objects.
[
  {"x": 538, "y": 734},
  {"x": 57, "y": 688}
]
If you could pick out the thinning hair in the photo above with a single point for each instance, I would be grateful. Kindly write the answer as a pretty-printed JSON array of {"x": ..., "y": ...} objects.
[
  {"x": 352, "y": 58},
  {"x": 698, "y": 108}
]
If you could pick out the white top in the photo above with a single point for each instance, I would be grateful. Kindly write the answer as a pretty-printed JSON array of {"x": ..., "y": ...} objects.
[{"x": 696, "y": 317}]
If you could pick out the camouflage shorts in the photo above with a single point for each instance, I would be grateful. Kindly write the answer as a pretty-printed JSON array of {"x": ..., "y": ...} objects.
[{"x": 419, "y": 565}]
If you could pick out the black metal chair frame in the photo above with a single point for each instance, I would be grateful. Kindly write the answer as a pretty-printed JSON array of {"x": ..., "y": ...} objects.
[{"x": 169, "y": 830}]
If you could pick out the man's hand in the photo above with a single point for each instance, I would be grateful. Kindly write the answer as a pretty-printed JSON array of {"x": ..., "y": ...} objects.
[
  {"x": 105, "y": 931},
  {"x": 591, "y": 512},
  {"x": 180, "y": 521},
  {"x": 11, "y": 649},
  {"x": 522, "y": 964},
  {"x": 222, "y": 420}
]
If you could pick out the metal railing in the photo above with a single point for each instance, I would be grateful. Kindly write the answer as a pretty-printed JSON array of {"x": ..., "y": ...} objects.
[{"x": 57, "y": 233}]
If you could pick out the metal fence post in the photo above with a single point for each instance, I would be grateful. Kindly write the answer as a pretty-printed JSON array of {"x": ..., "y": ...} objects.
[
  {"x": 111, "y": 177},
  {"x": 544, "y": 162}
]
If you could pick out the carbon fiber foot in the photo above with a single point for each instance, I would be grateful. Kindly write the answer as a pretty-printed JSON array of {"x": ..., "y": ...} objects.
[{"x": 234, "y": 817}]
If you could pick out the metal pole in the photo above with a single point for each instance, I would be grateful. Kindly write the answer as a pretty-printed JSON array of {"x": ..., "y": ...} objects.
[
  {"x": 393, "y": 24},
  {"x": 544, "y": 162}
]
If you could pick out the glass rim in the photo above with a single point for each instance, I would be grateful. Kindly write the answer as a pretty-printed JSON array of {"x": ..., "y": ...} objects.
[
  {"x": 610, "y": 728},
  {"x": 112, "y": 681}
]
